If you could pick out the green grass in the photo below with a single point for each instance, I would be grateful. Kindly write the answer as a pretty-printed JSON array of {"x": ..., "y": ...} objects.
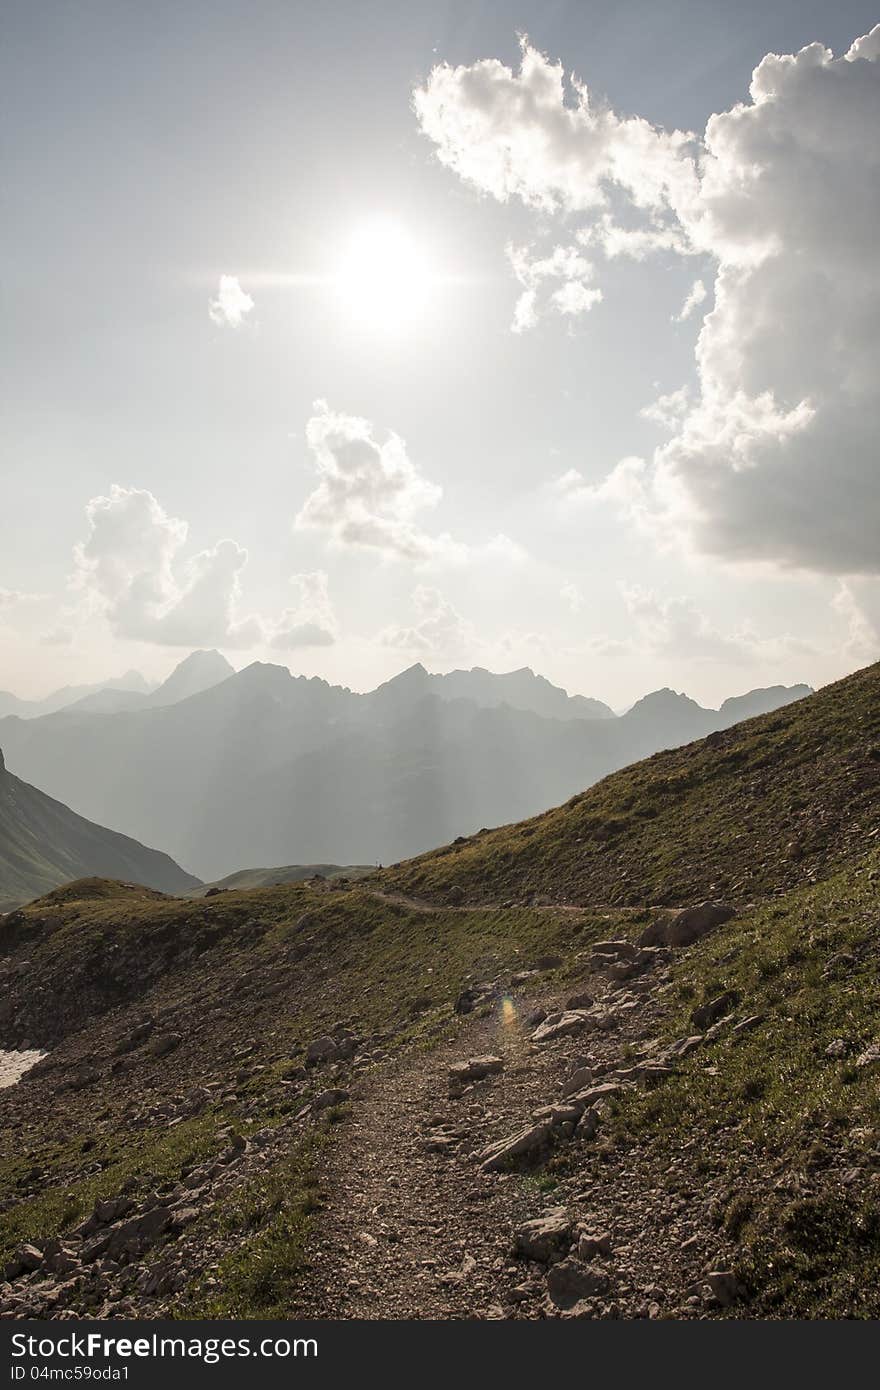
[
  {"x": 268, "y": 1223},
  {"x": 771, "y": 1108}
]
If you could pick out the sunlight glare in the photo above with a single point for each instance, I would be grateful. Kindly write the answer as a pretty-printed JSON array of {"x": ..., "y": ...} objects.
[{"x": 385, "y": 281}]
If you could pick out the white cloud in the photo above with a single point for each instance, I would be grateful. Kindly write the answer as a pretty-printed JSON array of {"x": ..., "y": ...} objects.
[
  {"x": 514, "y": 135},
  {"x": 676, "y": 628},
  {"x": 369, "y": 491},
  {"x": 573, "y": 296},
  {"x": 130, "y": 569},
  {"x": 775, "y": 460},
  {"x": 667, "y": 410},
  {"x": 312, "y": 621},
  {"x": 572, "y": 596},
  {"x": 858, "y": 602},
  {"x": 623, "y": 489},
  {"x": 231, "y": 305},
  {"x": 438, "y": 626},
  {"x": 695, "y": 297}
]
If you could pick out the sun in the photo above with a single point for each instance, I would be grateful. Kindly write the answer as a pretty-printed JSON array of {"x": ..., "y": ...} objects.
[{"x": 385, "y": 280}]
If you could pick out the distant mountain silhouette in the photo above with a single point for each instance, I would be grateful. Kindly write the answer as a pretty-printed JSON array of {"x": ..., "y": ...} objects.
[
  {"x": 197, "y": 672},
  {"x": 44, "y": 844},
  {"x": 521, "y": 689},
  {"x": 132, "y": 683},
  {"x": 270, "y": 768}
]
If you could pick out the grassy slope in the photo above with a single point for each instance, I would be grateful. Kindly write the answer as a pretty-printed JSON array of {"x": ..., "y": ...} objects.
[
  {"x": 760, "y": 808},
  {"x": 246, "y": 879},
  {"x": 43, "y": 843}
]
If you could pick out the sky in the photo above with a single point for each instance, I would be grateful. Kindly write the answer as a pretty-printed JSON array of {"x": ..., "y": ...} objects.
[{"x": 499, "y": 334}]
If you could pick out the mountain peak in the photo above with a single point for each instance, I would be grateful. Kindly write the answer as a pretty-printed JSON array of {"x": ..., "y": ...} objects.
[{"x": 197, "y": 672}]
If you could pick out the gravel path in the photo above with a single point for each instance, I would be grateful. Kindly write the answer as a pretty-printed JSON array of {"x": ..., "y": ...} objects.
[{"x": 416, "y": 1233}]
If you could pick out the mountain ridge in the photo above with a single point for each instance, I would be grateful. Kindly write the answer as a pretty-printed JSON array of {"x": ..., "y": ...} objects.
[
  {"x": 43, "y": 844},
  {"x": 266, "y": 767}
]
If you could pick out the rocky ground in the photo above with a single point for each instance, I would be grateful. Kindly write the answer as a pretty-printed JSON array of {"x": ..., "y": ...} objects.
[
  {"x": 445, "y": 1206},
  {"x": 486, "y": 1161},
  {"x": 472, "y": 1179}
]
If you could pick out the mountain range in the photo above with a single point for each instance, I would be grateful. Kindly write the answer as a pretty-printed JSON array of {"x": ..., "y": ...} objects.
[
  {"x": 262, "y": 767},
  {"x": 44, "y": 844}
]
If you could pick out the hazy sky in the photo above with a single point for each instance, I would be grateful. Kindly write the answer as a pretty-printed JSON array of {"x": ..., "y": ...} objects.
[{"x": 349, "y": 335}]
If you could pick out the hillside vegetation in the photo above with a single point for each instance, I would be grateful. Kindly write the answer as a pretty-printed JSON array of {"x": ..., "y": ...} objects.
[{"x": 254, "y": 1104}]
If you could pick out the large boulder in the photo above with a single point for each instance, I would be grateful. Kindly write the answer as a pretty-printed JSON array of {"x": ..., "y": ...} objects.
[{"x": 687, "y": 926}]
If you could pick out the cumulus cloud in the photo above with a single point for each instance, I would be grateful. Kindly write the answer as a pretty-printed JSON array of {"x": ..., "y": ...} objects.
[
  {"x": 566, "y": 269},
  {"x": 775, "y": 459},
  {"x": 623, "y": 488},
  {"x": 231, "y": 305},
  {"x": 514, "y": 135},
  {"x": 677, "y": 629},
  {"x": 695, "y": 297},
  {"x": 438, "y": 627},
  {"x": 858, "y": 602},
  {"x": 311, "y": 622},
  {"x": 667, "y": 410},
  {"x": 130, "y": 569},
  {"x": 369, "y": 490}
]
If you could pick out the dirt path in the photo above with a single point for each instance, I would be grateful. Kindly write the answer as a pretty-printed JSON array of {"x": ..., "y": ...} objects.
[{"x": 416, "y": 1233}]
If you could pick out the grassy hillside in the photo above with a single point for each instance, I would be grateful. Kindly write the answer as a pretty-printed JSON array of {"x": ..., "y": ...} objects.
[
  {"x": 244, "y": 880},
  {"x": 177, "y": 1030},
  {"x": 774, "y": 802},
  {"x": 43, "y": 843}
]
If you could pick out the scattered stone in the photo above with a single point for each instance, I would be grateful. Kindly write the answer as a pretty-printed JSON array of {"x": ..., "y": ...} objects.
[
  {"x": 473, "y": 996},
  {"x": 327, "y": 1099},
  {"x": 561, "y": 1026},
  {"x": 583, "y": 1100},
  {"x": 582, "y": 1000},
  {"x": 475, "y": 1069},
  {"x": 709, "y": 1013},
  {"x": 616, "y": 950},
  {"x": 591, "y": 1243},
  {"x": 725, "y": 1286},
  {"x": 569, "y": 1280},
  {"x": 870, "y": 1057},
  {"x": 545, "y": 1238},
  {"x": 525, "y": 1143},
  {"x": 682, "y": 1047},
  {"x": 322, "y": 1049},
  {"x": 577, "y": 1081},
  {"x": 747, "y": 1024}
]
